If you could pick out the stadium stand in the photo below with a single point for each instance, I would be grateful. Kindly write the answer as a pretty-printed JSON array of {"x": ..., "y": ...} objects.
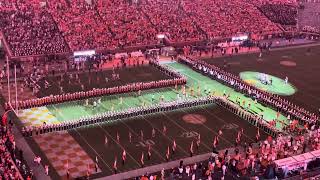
[
  {"x": 283, "y": 14},
  {"x": 105, "y": 24},
  {"x": 30, "y": 30},
  {"x": 80, "y": 25},
  {"x": 64, "y": 26},
  {"x": 120, "y": 16},
  {"x": 257, "y": 160},
  {"x": 12, "y": 165},
  {"x": 229, "y": 17}
]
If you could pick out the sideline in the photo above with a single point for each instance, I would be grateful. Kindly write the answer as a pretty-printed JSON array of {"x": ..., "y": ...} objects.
[
  {"x": 292, "y": 46},
  {"x": 28, "y": 155},
  {"x": 158, "y": 168}
]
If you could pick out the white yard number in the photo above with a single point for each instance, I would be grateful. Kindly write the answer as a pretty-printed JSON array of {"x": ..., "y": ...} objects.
[
  {"x": 146, "y": 143},
  {"x": 189, "y": 134}
]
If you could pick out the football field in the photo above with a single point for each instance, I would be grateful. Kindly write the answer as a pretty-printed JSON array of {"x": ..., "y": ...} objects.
[{"x": 79, "y": 148}]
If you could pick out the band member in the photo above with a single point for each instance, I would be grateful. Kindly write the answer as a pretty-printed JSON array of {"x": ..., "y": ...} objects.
[
  {"x": 238, "y": 139},
  {"x": 118, "y": 137},
  {"x": 115, "y": 168},
  {"x": 168, "y": 154},
  {"x": 141, "y": 135},
  {"x": 149, "y": 152},
  {"x": 86, "y": 102},
  {"x": 174, "y": 146},
  {"x": 120, "y": 101},
  {"x": 164, "y": 129},
  {"x": 130, "y": 137},
  {"x": 258, "y": 135},
  {"x": 96, "y": 164},
  {"x": 199, "y": 91},
  {"x": 198, "y": 141},
  {"x": 215, "y": 143},
  {"x": 106, "y": 140},
  {"x": 161, "y": 99},
  {"x": 278, "y": 115},
  {"x": 191, "y": 91},
  {"x": 152, "y": 98},
  {"x": 142, "y": 160},
  {"x": 124, "y": 157},
  {"x": 191, "y": 149},
  {"x": 153, "y": 133}
]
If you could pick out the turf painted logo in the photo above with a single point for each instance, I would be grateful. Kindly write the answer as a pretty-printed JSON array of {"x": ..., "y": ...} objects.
[{"x": 194, "y": 119}]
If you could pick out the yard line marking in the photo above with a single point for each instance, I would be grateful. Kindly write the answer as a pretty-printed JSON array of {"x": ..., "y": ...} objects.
[
  {"x": 160, "y": 131},
  {"x": 170, "y": 119},
  {"x": 90, "y": 146},
  {"x": 171, "y": 140},
  {"x": 226, "y": 122},
  {"x": 119, "y": 145},
  {"x": 138, "y": 135},
  {"x": 201, "y": 124},
  {"x": 216, "y": 115},
  {"x": 106, "y": 132},
  {"x": 94, "y": 151}
]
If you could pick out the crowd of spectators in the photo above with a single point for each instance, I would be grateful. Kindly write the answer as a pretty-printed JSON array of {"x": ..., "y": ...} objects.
[
  {"x": 12, "y": 163},
  {"x": 281, "y": 13},
  {"x": 81, "y": 25},
  {"x": 255, "y": 160},
  {"x": 311, "y": 29},
  {"x": 128, "y": 24},
  {"x": 170, "y": 18},
  {"x": 30, "y": 30},
  {"x": 222, "y": 18}
]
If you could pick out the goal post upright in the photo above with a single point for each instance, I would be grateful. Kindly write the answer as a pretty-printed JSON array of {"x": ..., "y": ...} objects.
[
  {"x": 16, "y": 88},
  {"x": 8, "y": 79}
]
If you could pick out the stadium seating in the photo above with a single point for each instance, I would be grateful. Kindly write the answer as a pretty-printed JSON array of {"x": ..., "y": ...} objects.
[
  {"x": 169, "y": 18},
  {"x": 114, "y": 24},
  {"x": 283, "y": 14},
  {"x": 226, "y": 18},
  {"x": 80, "y": 25},
  {"x": 30, "y": 30},
  {"x": 127, "y": 23}
]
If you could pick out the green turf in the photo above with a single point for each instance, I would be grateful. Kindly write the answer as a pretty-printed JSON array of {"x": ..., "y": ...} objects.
[
  {"x": 91, "y": 80},
  {"x": 74, "y": 110},
  {"x": 304, "y": 76},
  {"x": 278, "y": 85}
]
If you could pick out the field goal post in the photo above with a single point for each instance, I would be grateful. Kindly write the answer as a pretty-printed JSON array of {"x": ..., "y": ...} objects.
[{"x": 9, "y": 87}]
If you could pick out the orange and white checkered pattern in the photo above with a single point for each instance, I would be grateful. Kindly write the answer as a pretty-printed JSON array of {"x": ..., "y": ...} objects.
[
  {"x": 37, "y": 116},
  {"x": 61, "y": 149}
]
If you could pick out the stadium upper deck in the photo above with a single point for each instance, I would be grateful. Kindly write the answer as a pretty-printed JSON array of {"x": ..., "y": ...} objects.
[{"x": 32, "y": 28}]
